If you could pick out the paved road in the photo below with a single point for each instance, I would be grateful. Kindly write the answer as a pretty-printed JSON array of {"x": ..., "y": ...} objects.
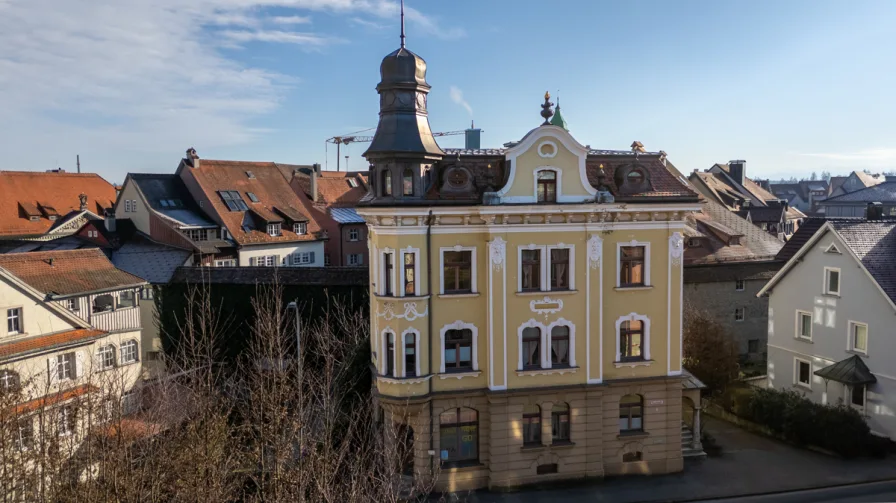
[
  {"x": 856, "y": 493},
  {"x": 749, "y": 464}
]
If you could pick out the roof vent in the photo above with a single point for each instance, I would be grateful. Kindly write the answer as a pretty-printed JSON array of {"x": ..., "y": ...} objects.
[{"x": 250, "y": 174}]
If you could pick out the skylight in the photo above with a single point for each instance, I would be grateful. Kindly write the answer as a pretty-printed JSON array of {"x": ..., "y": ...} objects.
[
  {"x": 233, "y": 200},
  {"x": 252, "y": 197}
]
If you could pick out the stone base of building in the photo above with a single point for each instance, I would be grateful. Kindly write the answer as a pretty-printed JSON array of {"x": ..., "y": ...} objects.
[{"x": 597, "y": 446}]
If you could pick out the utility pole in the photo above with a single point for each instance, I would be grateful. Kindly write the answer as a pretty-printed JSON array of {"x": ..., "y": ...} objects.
[
  {"x": 338, "y": 144},
  {"x": 78, "y": 158},
  {"x": 346, "y": 163}
]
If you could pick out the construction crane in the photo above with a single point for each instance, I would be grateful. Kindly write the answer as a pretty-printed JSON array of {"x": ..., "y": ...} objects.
[{"x": 353, "y": 138}]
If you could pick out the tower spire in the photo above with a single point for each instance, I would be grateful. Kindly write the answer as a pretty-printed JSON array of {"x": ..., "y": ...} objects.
[{"x": 402, "y": 24}]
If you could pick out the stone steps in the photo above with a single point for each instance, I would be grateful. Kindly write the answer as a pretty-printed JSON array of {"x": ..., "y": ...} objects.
[{"x": 687, "y": 442}]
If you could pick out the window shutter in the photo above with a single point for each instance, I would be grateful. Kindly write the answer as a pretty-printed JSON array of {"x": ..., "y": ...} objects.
[
  {"x": 51, "y": 370},
  {"x": 251, "y": 261},
  {"x": 360, "y": 259},
  {"x": 286, "y": 260},
  {"x": 276, "y": 260},
  {"x": 311, "y": 257},
  {"x": 79, "y": 364}
]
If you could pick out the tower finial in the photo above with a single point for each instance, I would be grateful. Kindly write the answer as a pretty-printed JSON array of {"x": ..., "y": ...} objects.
[{"x": 402, "y": 24}]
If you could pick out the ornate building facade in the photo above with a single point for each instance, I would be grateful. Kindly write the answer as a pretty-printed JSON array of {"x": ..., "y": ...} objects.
[{"x": 525, "y": 301}]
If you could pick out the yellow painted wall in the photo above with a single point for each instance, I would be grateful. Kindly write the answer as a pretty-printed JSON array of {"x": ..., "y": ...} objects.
[{"x": 565, "y": 161}]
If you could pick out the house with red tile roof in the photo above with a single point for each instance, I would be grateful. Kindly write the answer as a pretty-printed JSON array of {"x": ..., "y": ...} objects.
[
  {"x": 334, "y": 196},
  {"x": 267, "y": 222},
  {"x": 50, "y": 205},
  {"x": 72, "y": 337}
]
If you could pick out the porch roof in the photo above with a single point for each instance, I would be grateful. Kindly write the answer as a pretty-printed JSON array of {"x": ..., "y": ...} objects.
[{"x": 851, "y": 371}]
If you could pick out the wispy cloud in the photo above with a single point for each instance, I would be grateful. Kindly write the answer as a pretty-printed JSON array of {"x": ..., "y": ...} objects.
[
  {"x": 367, "y": 23},
  {"x": 869, "y": 156},
  {"x": 291, "y": 20},
  {"x": 281, "y": 37},
  {"x": 457, "y": 96}
]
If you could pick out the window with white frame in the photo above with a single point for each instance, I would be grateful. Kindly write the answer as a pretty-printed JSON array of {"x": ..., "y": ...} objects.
[
  {"x": 129, "y": 352},
  {"x": 458, "y": 271},
  {"x": 134, "y": 205},
  {"x": 387, "y": 269},
  {"x": 300, "y": 228},
  {"x": 633, "y": 264},
  {"x": 227, "y": 262},
  {"x": 355, "y": 259},
  {"x": 9, "y": 380},
  {"x": 197, "y": 234},
  {"x": 802, "y": 373},
  {"x": 65, "y": 366},
  {"x": 265, "y": 261},
  {"x": 530, "y": 270},
  {"x": 632, "y": 338},
  {"x": 274, "y": 229},
  {"x": 105, "y": 357},
  {"x": 410, "y": 272},
  {"x": 458, "y": 354},
  {"x": 14, "y": 321},
  {"x": 804, "y": 325},
  {"x": 302, "y": 258},
  {"x": 531, "y": 347},
  {"x": 739, "y": 313},
  {"x": 25, "y": 437},
  {"x": 831, "y": 281},
  {"x": 130, "y": 402},
  {"x": 73, "y": 305},
  {"x": 561, "y": 274},
  {"x": 127, "y": 298},
  {"x": 739, "y": 285},
  {"x": 354, "y": 234},
  {"x": 858, "y": 336},
  {"x": 560, "y": 346},
  {"x": 66, "y": 419},
  {"x": 410, "y": 353}
]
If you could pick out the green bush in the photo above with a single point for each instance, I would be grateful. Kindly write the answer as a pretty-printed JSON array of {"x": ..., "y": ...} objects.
[{"x": 837, "y": 428}]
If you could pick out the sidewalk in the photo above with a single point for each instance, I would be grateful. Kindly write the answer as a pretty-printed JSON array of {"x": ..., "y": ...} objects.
[{"x": 749, "y": 464}]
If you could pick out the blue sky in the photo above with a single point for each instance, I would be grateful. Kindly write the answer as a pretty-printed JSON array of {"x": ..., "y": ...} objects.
[{"x": 792, "y": 87}]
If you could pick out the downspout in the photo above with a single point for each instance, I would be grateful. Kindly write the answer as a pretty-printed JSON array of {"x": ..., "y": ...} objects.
[{"x": 429, "y": 353}]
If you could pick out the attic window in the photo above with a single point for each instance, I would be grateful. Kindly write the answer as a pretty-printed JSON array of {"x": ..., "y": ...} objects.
[
  {"x": 274, "y": 229},
  {"x": 833, "y": 249},
  {"x": 734, "y": 241},
  {"x": 250, "y": 174},
  {"x": 34, "y": 218},
  {"x": 52, "y": 218},
  {"x": 300, "y": 228},
  {"x": 252, "y": 197},
  {"x": 694, "y": 243},
  {"x": 233, "y": 200},
  {"x": 352, "y": 183},
  {"x": 635, "y": 176}
]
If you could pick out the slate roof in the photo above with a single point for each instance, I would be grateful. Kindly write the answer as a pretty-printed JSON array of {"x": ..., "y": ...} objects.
[
  {"x": 762, "y": 214},
  {"x": 59, "y": 191},
  {"x": 45, "y": 342},
  {"x": 154, "y": 262},
  {"x": 851, "y": 371},
  {"x": 267, "y": 183},
  {"x": 158, "y": 187},
  {"x": 881, "y": 193},
  {"x": 67, "y": 272},
  {"x": 716, "y": 224},
  {"x": 874, "y": 243},
  {"x": 346, "y": 216},
  {"x": 835, "y": 183},
  {"x": 799, "y": 238}
]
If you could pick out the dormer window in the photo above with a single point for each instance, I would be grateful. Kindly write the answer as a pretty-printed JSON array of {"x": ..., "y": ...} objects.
[
  {"x": 274, "y": 229},
  {"x": 34, "y": 218},
  {"x": 547, "y": 186},
  {"x": 300, "y": 228},
  {"x": 387, "y": 183},
  {"x": 635, "y": 177},
  {"x": 407, "y": 182},
  {"x": 352, "y": 183}
]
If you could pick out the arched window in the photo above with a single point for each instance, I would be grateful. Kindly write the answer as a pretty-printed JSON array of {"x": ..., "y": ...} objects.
[
  {"x": 390, "y": 354},
  {"x": 631, "y": 335},
  {"x": 631, "y": 413},
  {"x": 129, "y": 352},
  {"x": 105, "y": 357},
  {"x": 560, "y": 345},
  {"x": 532, "y": 425},
  {"x": 560, "y": 423},
  {"x": 458, "y": 350},
  {"x": 547, "y": 186},
  {"x": 531, "y": 347},
  {"x": 410, "y": 355},
  {"x": 387, "y": 183},
  {"x": 407, "y": 182},
  {"x": 9, "y": 380},
  {"x": 459, "y": 436}
]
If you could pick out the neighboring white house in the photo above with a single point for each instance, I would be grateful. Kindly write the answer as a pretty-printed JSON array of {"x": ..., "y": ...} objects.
[{"x": 832, "y": 309}]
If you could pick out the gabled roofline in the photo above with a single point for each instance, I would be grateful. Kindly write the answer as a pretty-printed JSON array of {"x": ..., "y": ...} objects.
[
  {"x": 44, "y": 299},
  {"x": 797, "y": 257}
]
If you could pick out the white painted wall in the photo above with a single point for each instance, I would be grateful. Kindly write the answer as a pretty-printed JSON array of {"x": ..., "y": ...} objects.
[
  {"x": 139, "y": 217},
  {"x": 36, "y": 318},
  {"x": 283, "y": 249}
]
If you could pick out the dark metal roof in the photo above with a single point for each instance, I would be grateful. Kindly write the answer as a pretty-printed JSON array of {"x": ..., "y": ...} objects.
[
  {"x": 881, "y": 193},
  {"x": 158, "y": 187},
  {"x": 153, "y": 262},
  {"x": 874, "y": 243},
  {"x": 851, "y": 371},
  {"x": 803, "y": 234}
]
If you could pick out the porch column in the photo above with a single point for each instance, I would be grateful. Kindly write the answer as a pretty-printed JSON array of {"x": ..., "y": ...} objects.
[{"x": 697, "y": 445}]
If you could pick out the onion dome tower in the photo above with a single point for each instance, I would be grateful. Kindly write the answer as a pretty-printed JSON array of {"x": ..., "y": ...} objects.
[{"x": 403, "y": 149}]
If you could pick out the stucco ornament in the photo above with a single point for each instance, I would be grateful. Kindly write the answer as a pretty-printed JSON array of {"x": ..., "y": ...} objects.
[
  {"x": 676, "y": 247},
  {"x": 497, "y": 251},
  {"x": 410, "y": 312},
  {"x": 550, "y": 306},
  {"x": 595, "y": 250}
]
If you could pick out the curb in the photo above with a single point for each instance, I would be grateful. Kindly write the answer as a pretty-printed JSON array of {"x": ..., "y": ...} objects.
[{"x": 771, "y": 493}]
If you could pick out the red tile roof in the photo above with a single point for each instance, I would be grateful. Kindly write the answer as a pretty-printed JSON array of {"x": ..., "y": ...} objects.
[
  {"x": 64, "y": 272},
  {"x": 24, "y": 189},
  {"x": 54, "y": 398},
  {"x": 334, "y": 188},
  {"x": 662, "y": 182},
  {"x": 40, "y": 342},
  {"x": 268, "y": 184}
]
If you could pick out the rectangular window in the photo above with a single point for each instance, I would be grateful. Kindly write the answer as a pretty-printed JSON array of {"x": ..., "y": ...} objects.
[
  {"x": 390, "y": 354},
  {"x": 127, "y": 299},
  {"x": 458, "y": 350},
  {"x": 355, "y": 259},
  {"x": 858, "y": 336},
  {"x": 559, "y": 269},
  {"x": 387, "y": 274},
  {"x": 631, "y": 266},
  {"x": 300, "y": 228},
  {"x": 739, "y": 313},
  {"x": 546, "y": 469},
  {"x": 831, "y": 281},
  {"x": 65, "y": 366},
  {"x": 804, "y": 325},
  {"x": 630, "y": 413},
  {"x": 532, "y": 425},
  {"x": 128, "y": 352},
  {"x": 66, "y": 420},
  {"x": 274, "y": 229},
  {"x": 857, "y": 395},
  {"x": 227, "y": 262},
  {"x": 459, "y": 436},
  {"x": 266, "y": 261},
  {"x": 560, "y": 423},
  {"x": 354, "y": 235},
  {"x": 25, "y": 434},
  {"x": 739, "y": 285},
  {"x": 103, "y": 303},
  {"x": 631, "y": 335},
  {"x": 127, "y": 205},
  {"x": 531, "y": 270},
  {"x": 409, "y": 274},
  {"x": 326, "y": 259},
  {"x": 252, "y": 197},
  {"x": 547, "y": 186},
  {"x": 233, "y": 200},
  {"x": 14, "y": 321},
  {"x": 302, "y": 258},
  {"x": 197, "y": 234},
  {"x": 803, "y": 373},
  {"x": 531, "y": 348},
  {"x": 457, "y": 271},
  {"x": 410, "y": 355}
]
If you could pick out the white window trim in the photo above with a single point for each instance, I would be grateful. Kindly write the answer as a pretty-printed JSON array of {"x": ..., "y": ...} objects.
[
  {"x": 417, "y": 352},
  {"x": 300, "y": 226},
  {"x": 559, "y": 177},
  {"x": 743, "y": 311},
  {"x": 796, "y": 373},
  {"x": 381, "y": 273},
  {"x": 121, "y": 348},
  {"x": 850, "y": 341},
  {"x": 20, "y": 315},
  {"x": 646, "y": 245},
  {"x": 645, "y": 344},
  {"x": 572, "y": 265},
  {"x": 541, "y": 265},
  {"x": 459, "y": 325},
  {"x": 832, "y": 249},
  {"x": 383, "y": 360},
  {"x": 848, "y": 398},
  {"x": 100, "y": 362},
  {"x": 532, "y": 323},
  {"x": 457, "y": 248},
  {"x": 572, "y": 341},
  {"x": 826, "y": 283},
  {"x": 357, "y": 236},
  {"x": 416, "y": 253},
  {"x": 797, "y": 333}
]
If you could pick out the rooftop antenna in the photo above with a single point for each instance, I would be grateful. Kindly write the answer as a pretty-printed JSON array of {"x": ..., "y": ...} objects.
[{"x": 402, "y": 24}]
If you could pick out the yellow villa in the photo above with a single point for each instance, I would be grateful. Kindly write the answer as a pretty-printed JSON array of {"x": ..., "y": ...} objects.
[{"x": 525, "y": 301}]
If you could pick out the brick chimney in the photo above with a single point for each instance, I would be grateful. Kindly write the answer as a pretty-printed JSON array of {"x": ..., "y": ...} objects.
[
  {"x": 82, "y": 200},
  {"x": 638, "y": 147},
  {"x": 315, "y": 173},
  {"x": 192, "y": 158},
  {"x": 738, "y": 170}
]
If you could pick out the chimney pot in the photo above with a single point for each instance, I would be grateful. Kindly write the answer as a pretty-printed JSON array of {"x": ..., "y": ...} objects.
[
  {"x": 638, "y": 147},
  {"x": 192, "y": 158},
  {"x": 314, "y": 174}
]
